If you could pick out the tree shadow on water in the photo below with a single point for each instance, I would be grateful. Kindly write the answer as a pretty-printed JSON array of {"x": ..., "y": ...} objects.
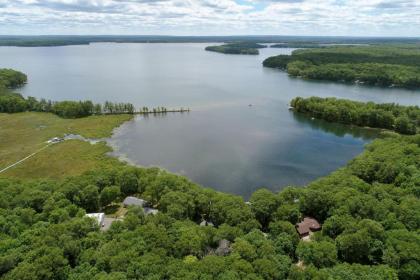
[{"x": 337, "y": 129}]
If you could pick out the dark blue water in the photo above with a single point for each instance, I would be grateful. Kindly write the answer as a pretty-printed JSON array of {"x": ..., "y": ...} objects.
[{"x": 222, "y": 143}]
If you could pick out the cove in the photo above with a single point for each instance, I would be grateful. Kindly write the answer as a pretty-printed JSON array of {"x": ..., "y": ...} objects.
[{"x": 223, "y": 142}]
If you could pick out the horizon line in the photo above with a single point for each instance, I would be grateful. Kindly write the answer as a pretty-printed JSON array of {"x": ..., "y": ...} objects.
[{"x": 248, "y": 35}]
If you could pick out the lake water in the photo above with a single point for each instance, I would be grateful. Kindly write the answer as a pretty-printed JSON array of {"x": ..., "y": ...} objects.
[{"x": 223, "y": 142}]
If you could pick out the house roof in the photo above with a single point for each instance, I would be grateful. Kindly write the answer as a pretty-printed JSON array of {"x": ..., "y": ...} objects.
[
  {"x": 131, "y": 200},
  {"x": 307, "y": 225}
]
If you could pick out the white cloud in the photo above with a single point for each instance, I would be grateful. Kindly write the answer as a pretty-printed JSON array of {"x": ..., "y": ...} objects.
[{"x": 211, "y": 17}]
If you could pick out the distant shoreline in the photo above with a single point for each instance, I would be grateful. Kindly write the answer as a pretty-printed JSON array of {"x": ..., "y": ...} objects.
[{"x": 70, "y": 40}]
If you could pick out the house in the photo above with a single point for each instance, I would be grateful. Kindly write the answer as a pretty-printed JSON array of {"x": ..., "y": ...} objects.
[
  {"x": 149, "y": 210},
  {"x": 98, "y": 217},
  {"x": 134, "y": 201},
  {"x": 307, "y": 226}
]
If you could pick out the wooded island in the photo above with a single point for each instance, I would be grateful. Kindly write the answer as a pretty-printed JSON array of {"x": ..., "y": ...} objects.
[{"x": 237, "y": 48}]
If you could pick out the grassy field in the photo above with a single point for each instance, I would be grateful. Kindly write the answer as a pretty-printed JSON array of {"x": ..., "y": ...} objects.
[{"x": 24, "y": 133}]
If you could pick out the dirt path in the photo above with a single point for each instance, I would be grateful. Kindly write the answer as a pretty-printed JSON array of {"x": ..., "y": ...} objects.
[{"x": 22, "y": 160}]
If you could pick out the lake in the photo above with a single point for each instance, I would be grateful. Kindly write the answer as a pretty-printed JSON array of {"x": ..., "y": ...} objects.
[{"x": 223, "y": 142}]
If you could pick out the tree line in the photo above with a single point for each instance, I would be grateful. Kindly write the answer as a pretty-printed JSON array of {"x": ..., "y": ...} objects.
[
  {"x": 14, "y": 103},
  {"x": 402, "y": 119},
  {"x": 369, "y": 211},
  {"x": 373, "y": 65},
  {"x": 301, "y": 45},
  {"x": 11, "y": 102},
  {"x": 386, "y": 54}
]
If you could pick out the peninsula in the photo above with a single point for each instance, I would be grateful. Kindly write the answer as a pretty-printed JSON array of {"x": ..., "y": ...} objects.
[{"x": 380, "y": 65}]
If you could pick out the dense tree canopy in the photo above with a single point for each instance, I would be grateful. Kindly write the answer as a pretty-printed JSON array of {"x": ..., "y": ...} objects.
[
  {"x": 369, "y": 210},
  {"x": 387, "y": 54}
]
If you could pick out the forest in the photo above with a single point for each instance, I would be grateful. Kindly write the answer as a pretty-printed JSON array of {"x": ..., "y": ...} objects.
[
  {"x": 372, "y": 65},
  {"x": 369, "y": 210},
  {"x": 402, "y": 119},
  {"x": 237, "y": 48}
]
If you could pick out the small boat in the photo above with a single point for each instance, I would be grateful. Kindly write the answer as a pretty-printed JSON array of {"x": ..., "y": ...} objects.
[{"x": 55, "y": 140}]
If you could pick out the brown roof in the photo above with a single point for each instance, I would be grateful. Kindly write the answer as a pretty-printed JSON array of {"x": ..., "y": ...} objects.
[{"x": 307, "y": 225}]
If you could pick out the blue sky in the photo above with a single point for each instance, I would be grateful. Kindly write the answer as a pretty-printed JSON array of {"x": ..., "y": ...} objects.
[{"x": 212, "y": 17}]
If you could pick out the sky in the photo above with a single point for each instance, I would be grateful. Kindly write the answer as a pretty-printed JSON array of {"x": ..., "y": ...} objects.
[{"x": 211, "y": 17}]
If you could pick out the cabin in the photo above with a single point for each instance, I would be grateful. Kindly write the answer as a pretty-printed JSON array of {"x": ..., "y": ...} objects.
[
  {"x": 134, "y": 201},
  {"x": 307, "y": 226},
  {"x": 98, "y": 217},
  {"x": 149, "y": 210}
]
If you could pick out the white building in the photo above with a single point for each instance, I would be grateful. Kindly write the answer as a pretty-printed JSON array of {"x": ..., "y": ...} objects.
[{"x": 99, "y": 217}]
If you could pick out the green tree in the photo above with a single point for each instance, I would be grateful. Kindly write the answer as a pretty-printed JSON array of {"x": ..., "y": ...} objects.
[
  {"x": 109, "y": 195},
  {"x": 320, "y": 254},
  {"x": 128, "y": 182},
  {"x": 405, "y": 126},
  {"x": 288, "y": 212},
  {"x": 263, "y": 204}
]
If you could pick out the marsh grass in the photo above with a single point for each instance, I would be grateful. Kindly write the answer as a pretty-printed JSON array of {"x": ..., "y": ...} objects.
[{"x": 23, "y": 133}]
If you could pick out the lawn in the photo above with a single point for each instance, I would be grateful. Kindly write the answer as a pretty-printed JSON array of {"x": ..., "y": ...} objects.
[{"x": 24, "y": 133}]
